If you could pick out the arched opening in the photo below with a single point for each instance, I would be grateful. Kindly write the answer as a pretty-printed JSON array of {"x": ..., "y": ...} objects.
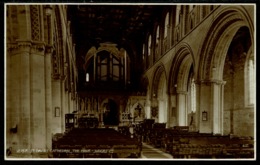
[
  {"x": 157, "y": 43},
  {"x": 240, "y": 84},
  {"x": 185, "y": 74},
  {"x": 149, "y": 50},
  {"x": 159, "y": 98},
  {"x": 106, "y": 65},
  {"x": 166, "y": 35},
  {"x": 162, "y": 100},
  {"x": 111, "y": 113},
  {"x": 191, "y": 101},
  {"x": 166, "y": 25},
  {"x": 222, "y": 84},
  {"x": 250, "y": 80},
  {"x": 182, "y": 90}
]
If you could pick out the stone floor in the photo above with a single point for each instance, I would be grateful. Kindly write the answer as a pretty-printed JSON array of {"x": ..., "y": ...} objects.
[{"x": 149, "y": 152}]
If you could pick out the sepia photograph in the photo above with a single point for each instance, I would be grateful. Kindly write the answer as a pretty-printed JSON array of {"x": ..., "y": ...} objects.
[{"x": 130, "y": 81}]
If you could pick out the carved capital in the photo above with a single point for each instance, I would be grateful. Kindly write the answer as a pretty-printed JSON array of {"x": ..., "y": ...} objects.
[
  {"x": 182, "y": 92},
  {"x": 62, "y": 77},
  {"x": 38, "y": 47},
  {"x": 210, "y": 82},
  {"x": 48, "y": 49},
  {"x": 19, "y": 45},
  {"x": 11, "y": 47},
  {"x": 218, "y": 82},
  {"x": 26, "y": 45},
  {"x": 56, "y": 76}
]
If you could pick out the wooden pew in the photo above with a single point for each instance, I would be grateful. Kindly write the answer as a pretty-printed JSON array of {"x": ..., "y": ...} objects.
[
  {"x": 156, "y": 134},
  {"x": 124, "y": 130},
  {"x": 173, "y": 134},
  {"x": 212, "y": 147},
  {"x": 95, "y": 142}
]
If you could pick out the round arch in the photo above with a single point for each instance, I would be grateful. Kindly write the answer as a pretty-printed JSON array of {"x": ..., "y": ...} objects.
[
  {"x": 218, "y": 39},
  {"x": 159, "y": 97},
  {"x": 178, "y": 85},
  {"x": 212, "y": 60},
  {"x": 157, "y": 74},
  {"x": 183, "y": 52}
]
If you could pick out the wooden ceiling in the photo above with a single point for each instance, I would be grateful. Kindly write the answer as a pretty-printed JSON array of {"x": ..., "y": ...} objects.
[{"x": 121, "y": 24}]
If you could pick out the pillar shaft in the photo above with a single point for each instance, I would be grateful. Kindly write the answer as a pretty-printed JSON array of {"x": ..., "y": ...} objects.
[
  {"x": 210, "y": 101},
  {"x": 182, "y": 108}
]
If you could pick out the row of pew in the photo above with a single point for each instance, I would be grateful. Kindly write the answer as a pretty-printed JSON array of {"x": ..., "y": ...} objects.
[
  {"x": 95, "y": 143},
  {"x": 181, "y": 143}
]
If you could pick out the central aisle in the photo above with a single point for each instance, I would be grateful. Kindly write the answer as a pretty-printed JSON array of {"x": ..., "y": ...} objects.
[{"x": 149, "y": 152}]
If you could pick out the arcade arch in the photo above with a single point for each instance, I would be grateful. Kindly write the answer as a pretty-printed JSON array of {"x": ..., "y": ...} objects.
[
  {"x": 221, "y": 92},
  {"x": 159, "y": 98}
]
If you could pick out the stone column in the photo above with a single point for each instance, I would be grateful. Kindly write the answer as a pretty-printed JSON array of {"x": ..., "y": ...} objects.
[
  {"x": 37, "y": 91},
  {"x": 204, "y": 105},
  {"x": 217, "y": 106},
  {"x": 64, "y": 102},
  {"x": 48, "y": 96},
  {"x": 210, "y": 100},
  {"x": 171, "y": 115},
  {"x": 18, "y": 105},
  {"x": 160, "y": 111},
  {"x": 163, "y": 112},
  {"x": 182, "y": 108},
  {"x": 148, "y": 109}
]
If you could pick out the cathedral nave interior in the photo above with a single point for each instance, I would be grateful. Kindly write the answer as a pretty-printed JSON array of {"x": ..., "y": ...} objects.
[{"x": 110, "y": 81}]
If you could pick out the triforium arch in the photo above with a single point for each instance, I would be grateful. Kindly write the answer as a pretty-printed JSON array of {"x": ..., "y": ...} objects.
[
  {"x": 159, "y": 96},
  {"x": 215, "y": 56},
  {"x": 182, "y": 88}
]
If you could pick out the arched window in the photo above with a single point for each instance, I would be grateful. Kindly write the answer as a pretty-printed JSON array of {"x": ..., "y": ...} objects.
[
  {"x": 149, "y": 45},
  {"x": 157, "y": 46},
  {"x": 157, "y": 35},
  {"x": 87, "y": 77},
  {"x": 178, "y": 13},
  {"x": 251, "y": 81},
  {"x": 166, "y": 25}
]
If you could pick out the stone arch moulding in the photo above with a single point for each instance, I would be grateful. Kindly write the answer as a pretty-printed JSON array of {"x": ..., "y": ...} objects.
[
  {"x": 217, "y": 42},
  {"x": 88, "y": 56},
  {"x": 182, "y": 53},
  {"x": 157, "y": 74},
  {"x": 183, "y": 74}
]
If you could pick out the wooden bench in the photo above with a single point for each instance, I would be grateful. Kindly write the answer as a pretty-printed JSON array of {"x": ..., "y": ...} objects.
[
  {"x": 212, "y": 147},
  {"x": 95, "y": 142},
  {"x": 181, "y": 128}
]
